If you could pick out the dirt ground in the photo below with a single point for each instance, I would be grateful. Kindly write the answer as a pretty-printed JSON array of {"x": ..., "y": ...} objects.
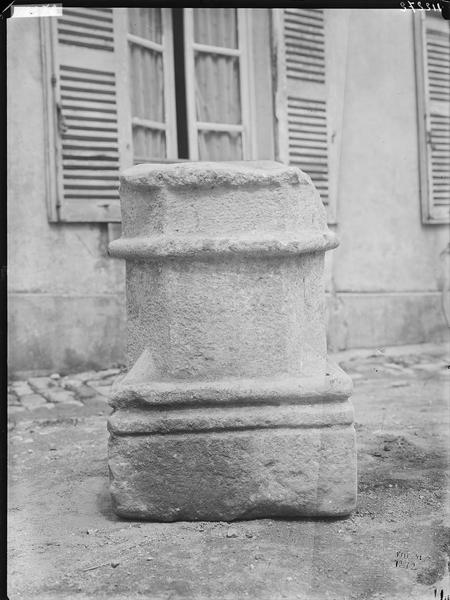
[{"x": 65, "y": 542}]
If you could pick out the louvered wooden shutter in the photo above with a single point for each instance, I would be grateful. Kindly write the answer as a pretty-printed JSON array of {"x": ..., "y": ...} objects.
[
  {"x": 301, "y": 74},
  {"x": 88, "y": 113},
  {"x": 433, "y": 77}
]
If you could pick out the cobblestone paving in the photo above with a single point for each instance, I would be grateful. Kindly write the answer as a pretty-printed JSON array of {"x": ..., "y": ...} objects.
[
  {"x": 87, "y": 390},
  {"x": 91, "y": 389},
  {"x": 383, "y": 364}
]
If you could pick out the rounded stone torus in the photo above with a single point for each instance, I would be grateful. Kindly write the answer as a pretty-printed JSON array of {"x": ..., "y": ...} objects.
[{"x": 230, "y": 408}]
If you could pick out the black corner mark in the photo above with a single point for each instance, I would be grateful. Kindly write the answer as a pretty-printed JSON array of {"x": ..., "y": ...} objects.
[
  {"x": 445, "y": 4},
  {"x": 7, "y": 11}
]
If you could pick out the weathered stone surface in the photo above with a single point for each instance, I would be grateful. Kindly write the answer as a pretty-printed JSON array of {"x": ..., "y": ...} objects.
[
  {"x": 234, "y": 475},
  {"x": 95, "y": 375},
  {"x": 21, "y": 388},
  {"x": 32, "y": 401},
  {"x": 84, "y": 392},
  {"x": 188, "y": 176},
  {"x": 279, "y": 448},
  {"x": 229, "y": 409},
  {"x": 71, "y": 384},
  {"x": 14, "y": 409},
  {"x": 13, "y": 400},
  {"x": 101, "y": 387},
  {"x": 105, "y": 374},
  {"x": 83, "y": 377},
  {"x": 133, "y": 392},
  {"x": 59, "y": 395},
  {"x": 41, "y": 383}
]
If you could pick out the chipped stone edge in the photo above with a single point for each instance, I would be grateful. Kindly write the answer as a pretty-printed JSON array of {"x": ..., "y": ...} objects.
[
  {"x": 334, "y": 386},
  {"x": 207, "y": 174},
  {"x": 272, "y": 244},
  {"x": 125, "y": 422}
]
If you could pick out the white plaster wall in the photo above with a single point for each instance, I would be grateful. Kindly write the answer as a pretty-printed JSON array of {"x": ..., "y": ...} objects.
[
  {"x": 386, "y": 275},
  {"x": 59, "y": 276},
  {"x": 384, "y": 246},
  {"x": 46, "y": 257}
]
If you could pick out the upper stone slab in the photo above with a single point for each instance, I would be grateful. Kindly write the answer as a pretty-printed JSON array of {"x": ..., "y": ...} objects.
[
  {"x": 207, "y": 174},
  {"x": 210, "y": 200}
]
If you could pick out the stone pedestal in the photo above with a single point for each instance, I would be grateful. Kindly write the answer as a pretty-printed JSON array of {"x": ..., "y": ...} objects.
[{"x": 230, "y": 409}]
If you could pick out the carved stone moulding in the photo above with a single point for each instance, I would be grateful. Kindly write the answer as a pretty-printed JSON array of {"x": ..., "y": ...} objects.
[{"x": 230, "y": 408}]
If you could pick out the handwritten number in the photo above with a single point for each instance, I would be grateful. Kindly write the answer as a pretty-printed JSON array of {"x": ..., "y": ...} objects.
[{"x": 420, "y": 6}]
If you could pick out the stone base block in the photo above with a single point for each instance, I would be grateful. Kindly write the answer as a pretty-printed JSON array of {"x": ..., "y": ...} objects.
[
  {"x": 234, "y": 448},
  {"x": 231, "y": 475}
]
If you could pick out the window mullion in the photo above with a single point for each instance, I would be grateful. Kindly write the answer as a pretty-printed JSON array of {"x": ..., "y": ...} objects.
[
  {"x": 246, "y": 95},
  {"x": 140, "y": 41},
  {"x": 169, "y": 85},
  {"x": 190, "y": 83},
  {"x": 123, "y": 88}
]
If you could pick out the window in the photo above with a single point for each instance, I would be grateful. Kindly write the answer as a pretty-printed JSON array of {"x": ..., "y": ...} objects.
[
  {"x": 432, "y": 38},
  {"x": 217, "y": 75},
  {"x": 123, "y": 89},
  {"x": 151, "y": 83},
  {"x": 301, "y": 95}
]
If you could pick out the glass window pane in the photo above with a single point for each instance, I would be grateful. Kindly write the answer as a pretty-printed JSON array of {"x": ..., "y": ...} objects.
[
  {"x": 145, "y": 23},
  {"x": 219, "y": 145},
  {"x": 216, "y": 27},
  {"x": 146, "y": 83},
  {"x": 148, "y": 143},
  {"x": 217, "y": 88}
]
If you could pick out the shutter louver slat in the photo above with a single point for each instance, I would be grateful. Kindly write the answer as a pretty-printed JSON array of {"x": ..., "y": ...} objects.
[
  {"x": 86, "y": 16},
  {"x": 312, "y": 15},
  {"x": 85, "y": 146},
  {"x": 437, "y": 67},
  {"x": 89, "y": 140},
  {"x": 304, "y": 34},
  {"x": 87, "y": 28}
]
